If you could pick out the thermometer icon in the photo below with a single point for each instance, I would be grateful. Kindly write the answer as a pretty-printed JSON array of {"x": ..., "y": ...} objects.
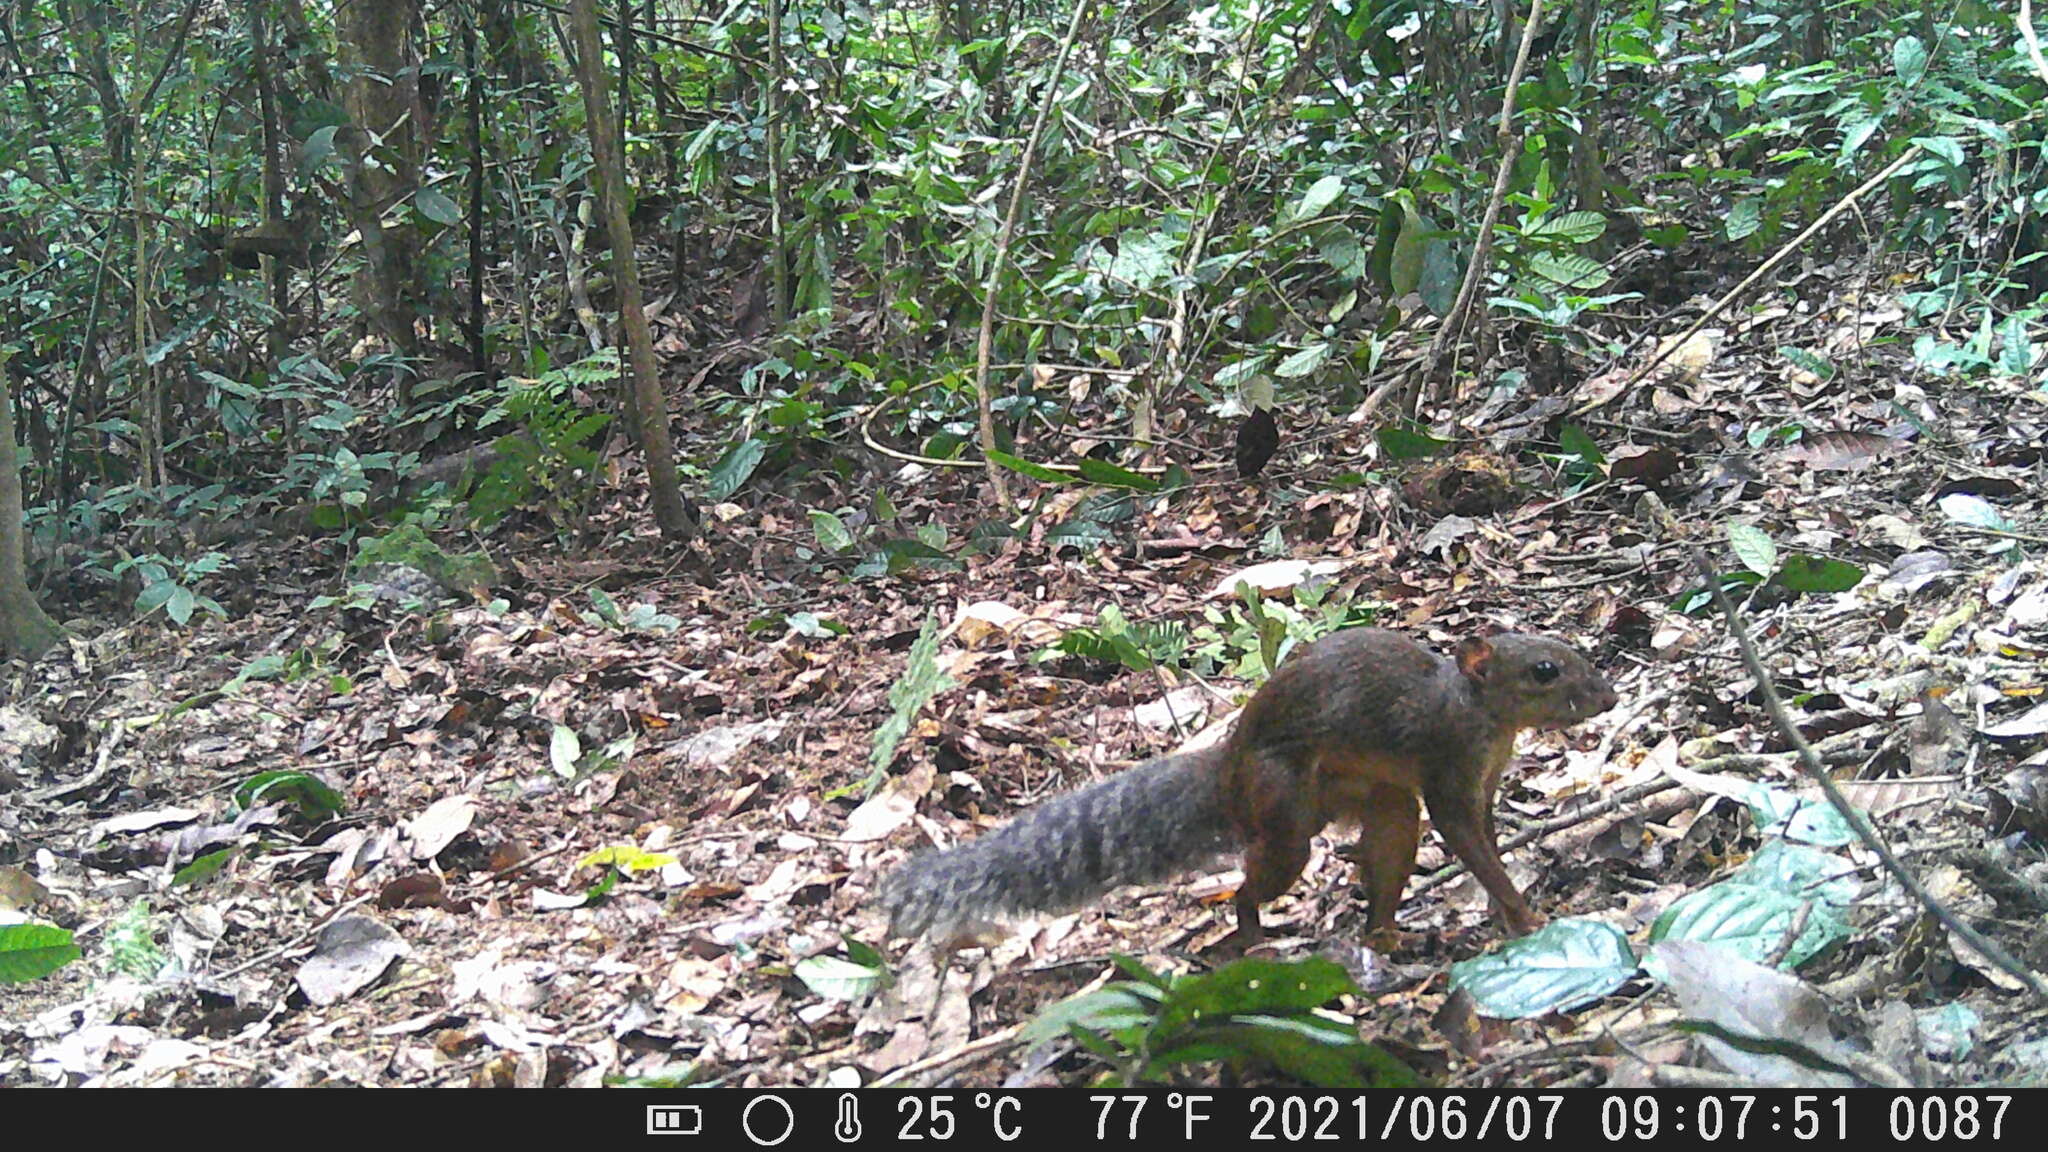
[{"x": 847, "y": 1126}]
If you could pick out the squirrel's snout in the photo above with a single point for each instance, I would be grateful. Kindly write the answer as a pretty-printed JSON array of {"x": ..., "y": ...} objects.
[{"x": 1599, "y": 699}]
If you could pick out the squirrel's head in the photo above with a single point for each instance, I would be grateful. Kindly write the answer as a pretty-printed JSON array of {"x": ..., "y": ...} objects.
[{"x": 1534, "y": 681}]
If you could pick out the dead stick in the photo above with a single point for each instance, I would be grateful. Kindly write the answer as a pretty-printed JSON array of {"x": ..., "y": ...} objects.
[
  {"x": 1510, "y": 143},
  {"x": 1810, "y": 761},
  {"x": 1763, "y": 270}
]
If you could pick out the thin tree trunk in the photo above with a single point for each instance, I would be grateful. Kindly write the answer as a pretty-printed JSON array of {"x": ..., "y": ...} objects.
[
  {"x": 778, "y": 223},
  {"x": 384, "y": 106},
  {"x": 648, "y": 408},
  {"x": 25, "y": 629},
  {"x": 985, "y": 345},
  {"x": 275, "y": 270},
  {"x": 477, "y": 224}
]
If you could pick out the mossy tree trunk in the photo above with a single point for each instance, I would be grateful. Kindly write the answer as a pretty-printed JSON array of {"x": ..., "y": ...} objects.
[
  {"x": 387, "y": 117},
  {"x": 644, "y": 401},
  {"x": 25, "y": 629}
]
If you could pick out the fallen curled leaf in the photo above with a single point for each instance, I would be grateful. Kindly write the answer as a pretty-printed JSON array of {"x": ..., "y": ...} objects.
[
  {"x": 1840, "y": 451},
  {"x": 353, "y": 953}
]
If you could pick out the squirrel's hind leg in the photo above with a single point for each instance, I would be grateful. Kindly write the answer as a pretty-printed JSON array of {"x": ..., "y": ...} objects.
[
  {"x": 1389, "y": 828},
  {"x": 1274, "y": 858}
]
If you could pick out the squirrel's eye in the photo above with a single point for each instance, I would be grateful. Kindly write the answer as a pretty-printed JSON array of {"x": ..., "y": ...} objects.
[{"x": 1544, "y": 672}]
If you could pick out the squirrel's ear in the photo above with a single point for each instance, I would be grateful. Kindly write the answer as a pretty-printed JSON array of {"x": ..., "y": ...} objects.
[{"x": 1473, "y": 654}]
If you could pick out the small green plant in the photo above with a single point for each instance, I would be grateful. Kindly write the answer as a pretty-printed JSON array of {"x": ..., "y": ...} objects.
[
  {"x": 571, "y": 762},
  {"x": 131, "y": 944},
  {"x": 552, "y": 458},
  {"x": 311, "y": 796},
  {"x": 1139, "y": 646},
  {"x": 409, "y": 544},
  {"x": 1787, "y": 905},
  {"x": 1579, "y": 460},
  {"x": 604, "y": 611},
  {"x": 1251, "y": 1013},
  {"x": 1758, "y": 554},
  {"x": 169, "y": 584},
  {"x": 884, "y": 554},
  {"x": 1250, "y": 642},
  {"x": 854, "y": 976},
  {"x": 921, "y": 681}
]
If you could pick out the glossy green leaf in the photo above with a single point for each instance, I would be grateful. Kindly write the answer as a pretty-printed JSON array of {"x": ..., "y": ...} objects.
[{"x": 1565, "y": 965}]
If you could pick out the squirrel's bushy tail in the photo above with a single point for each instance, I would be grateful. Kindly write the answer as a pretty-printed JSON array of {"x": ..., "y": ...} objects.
[{"x": 1144, "y": 824}]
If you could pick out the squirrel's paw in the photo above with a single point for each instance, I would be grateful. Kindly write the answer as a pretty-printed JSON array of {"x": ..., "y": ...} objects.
[
  {"x": 1387, "y": 941},
  {"x": 1519, "y": 920}
]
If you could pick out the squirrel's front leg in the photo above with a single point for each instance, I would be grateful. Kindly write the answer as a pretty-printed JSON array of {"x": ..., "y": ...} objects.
[{"x": 1464, "y": 821}]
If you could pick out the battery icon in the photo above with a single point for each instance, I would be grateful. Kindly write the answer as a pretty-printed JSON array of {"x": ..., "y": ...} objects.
[{"x": 674, "y": 1120}]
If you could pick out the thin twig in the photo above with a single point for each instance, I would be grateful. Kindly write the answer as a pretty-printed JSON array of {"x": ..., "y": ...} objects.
[
  {"x": 1750, "y": 281},
  {"x": 1510, "y": 151},
  {"x": 1810, "y": 761},
  {"x": 985, "y": 346}
]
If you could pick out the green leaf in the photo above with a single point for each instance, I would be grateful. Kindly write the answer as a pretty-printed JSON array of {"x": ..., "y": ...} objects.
[
  {"x": 154, "y": 596},
  {"x": 565, "y": 748},
  {"x": 627, "y": 858},
  {"x": 1745, "y": 218},
  {"x": 1103, "y": 472},
  {"x": 1909, "y": 60},
  {"x": 1571, "y": 227},
  {"x": 436, "y": 206},
  {"x": 1255, "y": 985},
  {"x": 315, "y": 800},
  {"x": 33, "y": 951},
  {"x": 1325, "y": 1053},
  {"x": 1567, "y": 964},
  {"x": 899, "y": 554},
  {"x": 1754, "y": 548},
  {"x": 1819, "y": 365},
  {"x": 1116, "y": 1007},
  {"x": 1400, "y": 442},
  {"x": 1135, "y": 968},
  {"x": 921, "y": 680},
  {"x": 734, "y": 468},
  {"x": 1946, "y": 147},
  {"x": 1753, "y": 921},
  {"x": 831, "y": 531},
  {"x": 1803, "y": 573},
  {"x": 1027, "y": 468},
  {"x": 1571, "y": 270},
  {"x": 836, "y": 978},
  {"x": 1857, "y": 129},
  {"x": 1801, "y": 872},
  {"x": 1807, "y": 819},
  {"x": 1234, "y": 375},
  {"x": 1975, "y": 511},
  {"x": 202, "y": 869},
  {"x": 1319, "y": 196},
  {"x": 319, "y": 147},
  {"x": 813, "y": 626},
  {"x": 1575, "y": 442},
  {"x": 1303, "y": 362},
  {"x": 1404, "y": 270}
]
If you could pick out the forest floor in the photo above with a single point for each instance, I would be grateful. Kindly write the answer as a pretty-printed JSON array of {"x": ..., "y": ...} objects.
[{"x": 449, "y": 927}]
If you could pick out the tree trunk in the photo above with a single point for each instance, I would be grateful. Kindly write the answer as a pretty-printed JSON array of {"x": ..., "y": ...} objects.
[
  {"x": 647, "y": 407},
  {"x": 386, "y": 116},
  {"x": 778, "y": 198},
  {"x": 25, "y": 629}
]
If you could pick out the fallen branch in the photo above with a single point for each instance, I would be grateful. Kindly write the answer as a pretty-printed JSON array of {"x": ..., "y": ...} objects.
[
  {"x": 1810, "y": 762},
  {"x": 1750, "y": 281}
]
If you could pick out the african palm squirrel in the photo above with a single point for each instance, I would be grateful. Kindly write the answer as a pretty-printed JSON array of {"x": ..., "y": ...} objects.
[{"x": 1359, "y": 727}]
